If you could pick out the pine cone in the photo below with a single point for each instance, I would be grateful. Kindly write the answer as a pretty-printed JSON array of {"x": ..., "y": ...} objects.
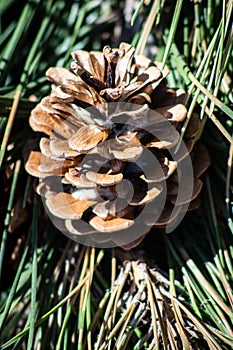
[{"x": 105, "y": 118}]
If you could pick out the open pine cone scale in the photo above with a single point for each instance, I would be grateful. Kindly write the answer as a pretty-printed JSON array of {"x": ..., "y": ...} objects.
[{"x": 102, "y": 119}]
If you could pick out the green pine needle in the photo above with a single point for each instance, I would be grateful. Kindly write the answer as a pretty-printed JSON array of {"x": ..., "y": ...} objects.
[{"x": 60, "y": 295}]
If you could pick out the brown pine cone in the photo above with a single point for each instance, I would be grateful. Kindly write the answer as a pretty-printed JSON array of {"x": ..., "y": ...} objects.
[{"x": 109, "y": 165}]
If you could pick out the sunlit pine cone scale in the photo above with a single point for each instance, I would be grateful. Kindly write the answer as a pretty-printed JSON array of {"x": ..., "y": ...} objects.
[{"x": 90, "y": 146}]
